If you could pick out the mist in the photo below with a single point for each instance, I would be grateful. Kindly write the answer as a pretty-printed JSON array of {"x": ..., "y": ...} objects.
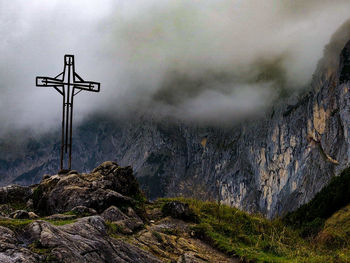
[{"x": 206, "y": 61}]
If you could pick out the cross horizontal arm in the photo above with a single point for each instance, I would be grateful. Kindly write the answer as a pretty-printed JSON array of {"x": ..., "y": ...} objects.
[
  {"x": 87, "y": 85},
  {"x": 48, "y": 82}
]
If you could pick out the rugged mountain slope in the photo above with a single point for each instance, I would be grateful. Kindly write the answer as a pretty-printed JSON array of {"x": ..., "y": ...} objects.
[
  {"x": 103, "y": 217},
  {"x": 270, "y": 166},
  {"x": 94, "y": 217}
]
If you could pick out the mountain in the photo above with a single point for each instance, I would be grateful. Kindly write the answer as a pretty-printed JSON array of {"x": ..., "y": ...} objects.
[
  {"x": 96, "y": 217},
  {"x": 270, "y": 166},
  {"x": 102, "y": 216}
]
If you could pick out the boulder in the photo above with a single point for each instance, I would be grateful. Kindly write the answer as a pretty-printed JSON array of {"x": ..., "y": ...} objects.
[
  {"x": 129, "y": 226},
  {"x": 73, "y": 172},
  {"x": 46, "y": 176},
  {"x": 20, "y": 214},
  {"x": 113, "y": 214},
  {"x": 107, "y": 185},
  {"x": 122, "y": 178},
  {"x": 179, "y": 210},
  {"x": 14, "y": 194},
  {"x": 81, "y": 210},
  {"x": 131, "y": 213},
  {"x": 12, "y": 252},
  {"x": 32, "y": 215}
]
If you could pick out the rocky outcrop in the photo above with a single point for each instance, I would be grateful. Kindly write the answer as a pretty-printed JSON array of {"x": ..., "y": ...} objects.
[
  {"x": 11, "y": 251},
  {"x": 78, "y": 221},
  {"x": 97, "y": 190},
  {"x": 14, "y": 194},
  {"x": 84, "y": 241},
  {"x": 172, "y": 241}
]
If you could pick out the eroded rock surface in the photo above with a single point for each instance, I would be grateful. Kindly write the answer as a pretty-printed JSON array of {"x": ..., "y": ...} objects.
[
  {"x": 11, "y": 251},
  {"x": 97, "y": 190},
  {"x": 86, "y": 240},
  {"x": 63, "y": 228}
]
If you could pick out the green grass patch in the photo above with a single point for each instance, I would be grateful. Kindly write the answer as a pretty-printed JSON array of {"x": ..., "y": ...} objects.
[
  {"x": 114, "y": 230},
  {"x": 252, "y": 238},
  {"x": 19, "y": 224},
  {"x": 61, "y": 222},
  {"x": 37, "y": 248},
  {"x": 310, "y": 218},
  {"x": 157, "y": 236},
  {"x": 15, "y": 224}
]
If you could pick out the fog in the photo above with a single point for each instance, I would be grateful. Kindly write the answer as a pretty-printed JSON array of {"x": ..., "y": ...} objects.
[{"x": 213, "y": 61}]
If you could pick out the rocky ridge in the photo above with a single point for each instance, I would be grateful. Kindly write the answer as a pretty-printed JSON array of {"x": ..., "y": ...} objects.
[{"x": 92, "y": 217}]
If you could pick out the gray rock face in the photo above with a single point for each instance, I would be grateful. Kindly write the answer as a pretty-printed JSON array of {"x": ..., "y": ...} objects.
[
  {"x": 113, "y": 214},
  {"x": 271, "y": 166},
  {"x": 14, "y": 194},
  {"x": 20, "y": 214},
  {"x": 11, "y": 251},
  {"x": 85, "y": 241},
  {"x": 97, "y": 190},
  {"x": 83, "y": 210}
]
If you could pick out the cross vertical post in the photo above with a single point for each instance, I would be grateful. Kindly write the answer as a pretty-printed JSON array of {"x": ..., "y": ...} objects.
[{"x": 68, "y": 83}]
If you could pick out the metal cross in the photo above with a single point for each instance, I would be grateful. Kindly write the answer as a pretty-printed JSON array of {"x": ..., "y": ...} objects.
[{"x": 68, "y": 84}]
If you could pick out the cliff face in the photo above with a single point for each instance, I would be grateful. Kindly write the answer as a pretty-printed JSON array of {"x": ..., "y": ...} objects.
[{"x": 270, "y": 166}]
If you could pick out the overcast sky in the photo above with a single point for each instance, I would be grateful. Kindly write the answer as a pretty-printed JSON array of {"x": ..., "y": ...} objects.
[{"x": 197, "y": 60}]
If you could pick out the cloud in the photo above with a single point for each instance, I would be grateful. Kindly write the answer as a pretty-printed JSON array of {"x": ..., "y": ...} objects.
[{"x": 194, "y": 60}]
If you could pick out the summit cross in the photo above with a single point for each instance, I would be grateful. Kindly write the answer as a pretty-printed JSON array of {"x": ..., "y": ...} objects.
[{"x": 68, "y": 83}]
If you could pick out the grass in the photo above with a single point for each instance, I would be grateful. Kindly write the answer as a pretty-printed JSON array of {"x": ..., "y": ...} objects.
[
  {"x": 37, "y": 248},
  {"x": 256, "y": 239},
  {"x": 114, "y": 230},
  {"x": 19, "y": 224},
  {"x": 310, "y": 218},
  {"x": 157, "y": 236},
  {"x": 15, "y": 224}
]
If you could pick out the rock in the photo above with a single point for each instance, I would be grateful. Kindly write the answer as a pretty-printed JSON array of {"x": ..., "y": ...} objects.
[
  {"x": 133, "y": 224},
  {"x": 83, "y": 211},
  {"x": 20, "y": 214},
  {"x": 32, "y": 215},
  {"x": 73, "y": 172},
  {"x": 85, "y": 240},
  {"x": 179, "y": 210},
  {"x": 12, "y": 252},
  {"x": 344, "y": 68},
  {"x": 123, "y": 180},
  {"x": 46, "y": 176},
  {"x": 113, "y": 214},
  {"x": 63, "y": 171},
  {"x": 191, "y": 258},
  {"x": 14, "y": 194},
  {"x": 169, "y": 240},
  {"x": 131, "y": 213},
  {"x": 107, "y": 185},
  {"x": 129, "y": 226},
  {"x": 29, "y": 203}
]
